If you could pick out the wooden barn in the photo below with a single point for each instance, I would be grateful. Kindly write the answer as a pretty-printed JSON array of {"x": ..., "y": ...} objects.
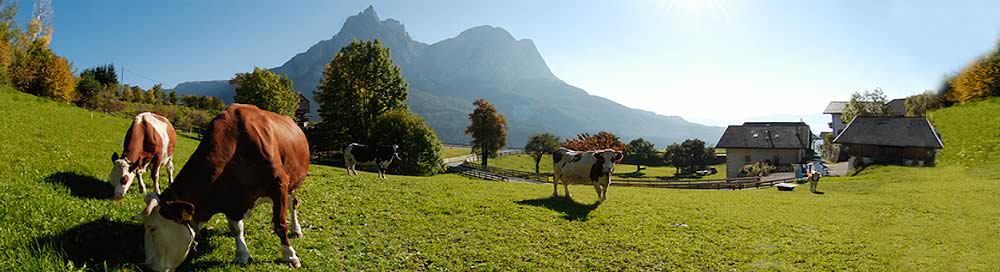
[{"x": 906, "y": 140}]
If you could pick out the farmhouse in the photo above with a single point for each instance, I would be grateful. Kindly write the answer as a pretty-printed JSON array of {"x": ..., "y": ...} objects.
[
  {"x": 778, "y": 143},
  {"x": 836, "y": 110},
  {"x": 906, "y": 140}
]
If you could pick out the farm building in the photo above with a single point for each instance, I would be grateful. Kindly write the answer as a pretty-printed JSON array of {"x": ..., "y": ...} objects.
[
  {"x": 836, "y": 109},
  {"x": 778, "y": 143},
  {"x": 907, "y": 140}
]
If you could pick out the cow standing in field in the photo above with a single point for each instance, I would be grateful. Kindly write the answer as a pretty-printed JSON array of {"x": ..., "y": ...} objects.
[
  {"x": 379, "y": 155},
  {"x": 579, "y": 167},
  {"x": 247, "y": 155},
  {"x": 149, "y": 141}
]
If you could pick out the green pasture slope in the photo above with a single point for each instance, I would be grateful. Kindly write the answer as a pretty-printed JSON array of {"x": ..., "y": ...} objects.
[{"x": 54, "y": 216}]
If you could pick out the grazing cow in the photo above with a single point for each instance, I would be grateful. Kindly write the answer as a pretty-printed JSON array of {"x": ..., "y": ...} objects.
[
  {"x": 579, "y": 167},
  {"x": 247, "y": 155},
  {"x": 149, "y": 141},
  {"x": 379, "y": 155}
]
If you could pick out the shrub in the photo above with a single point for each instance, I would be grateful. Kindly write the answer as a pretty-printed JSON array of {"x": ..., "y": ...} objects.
[
  {"x": 757, "y": 169},
  {"x": 418, "y": 144}
]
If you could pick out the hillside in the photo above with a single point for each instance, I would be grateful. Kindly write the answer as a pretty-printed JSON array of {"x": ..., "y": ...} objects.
[
  {"x": 481, "y": 62},
  {"x": 54, "y": 215}
]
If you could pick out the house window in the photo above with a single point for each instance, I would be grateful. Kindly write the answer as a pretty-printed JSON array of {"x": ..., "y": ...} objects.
[{"x": 746, "y": 158}]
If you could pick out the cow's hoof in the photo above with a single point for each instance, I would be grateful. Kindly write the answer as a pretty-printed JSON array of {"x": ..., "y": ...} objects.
[
  {"x": 295, "y": 234},
  {"x": 243, "y": 260},
  {"x": 292, "y": 262}
]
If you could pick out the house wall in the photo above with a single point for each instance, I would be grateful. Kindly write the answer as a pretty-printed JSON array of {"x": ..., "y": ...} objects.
[
  {"x": 889, "y": 153},
  {"x": 736, "y": 158},
  {"x": 837, "y": 124}
]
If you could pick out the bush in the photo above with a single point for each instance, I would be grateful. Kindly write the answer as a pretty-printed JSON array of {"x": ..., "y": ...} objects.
[
  {"x": 979, "y": 80},
  {"x": 418, "y": 144},
  {"x": 757, "y": 169}
]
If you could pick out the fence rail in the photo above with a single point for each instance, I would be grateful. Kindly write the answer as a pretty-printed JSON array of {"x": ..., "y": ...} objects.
[{"x": 544, "y": 177}]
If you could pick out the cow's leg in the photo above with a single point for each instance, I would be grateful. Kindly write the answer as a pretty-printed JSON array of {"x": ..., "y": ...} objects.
[
  {"x": 597, "y": 187},
  {"x": 155, "y": 175},
  {"x": 566, "y": 188},
  {"x": 279, "y": 212},
  {"x": 296, "y": 228},
  {"x": 170, "y": 170},
  {"x": 604, "y": 192},
  {"x": 142, "y": 185},
  {"x": 555, "y": 185},
  {"x": 242, "y": 253}
]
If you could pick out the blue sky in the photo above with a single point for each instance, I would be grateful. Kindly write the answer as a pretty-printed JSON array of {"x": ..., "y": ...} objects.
[{"x": 715, "y": 62}]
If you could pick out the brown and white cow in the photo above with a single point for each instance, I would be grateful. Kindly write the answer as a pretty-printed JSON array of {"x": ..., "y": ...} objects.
[
  {"x": 149, "y": 141},
  {"x": 584, "y": 167},
  {"x": 247, "y": 155}
]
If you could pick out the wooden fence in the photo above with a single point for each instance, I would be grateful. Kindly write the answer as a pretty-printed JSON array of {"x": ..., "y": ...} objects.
[{"x": 544, "y": 177}]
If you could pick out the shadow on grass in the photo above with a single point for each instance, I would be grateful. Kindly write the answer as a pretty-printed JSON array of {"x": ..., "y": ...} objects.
[
  {"x": 82, "y": 186},
  {"x": 104, "y": 243},
  {"x": 100, "y": 243},
  {"x": 571, "y": 210}
]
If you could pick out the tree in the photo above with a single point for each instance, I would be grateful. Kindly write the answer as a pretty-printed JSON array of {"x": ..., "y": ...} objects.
[
  {"x": 266, "y": 90},
  {"x": 918, "y": 105},
  {"x": 541, "y": 144},
  {"x": 8, "y": 30},
  {"x": 601, "y": 140},
  {"x": 488, "y": 129},
  {"x": 419, "y": 146},
  {"x": 172, "y": 98},
  {"x": 88, "y": 88},
  {"x": 979, "y": 80},
  {"x": 104, "y": 74},
  {"x": 640, "y": 152},
  {"x": 689, "y": 156},
  {"x": 156, "y": 94},
  {"x": 360, "y": 84},
  {"x": 40, "y": 72},
  {"x": 867, "y": 103}
]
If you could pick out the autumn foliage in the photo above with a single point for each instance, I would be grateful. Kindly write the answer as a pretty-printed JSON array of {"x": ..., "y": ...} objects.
[
  {"x": 601, "y": 140},
  {"x": 977, "y": 81}
]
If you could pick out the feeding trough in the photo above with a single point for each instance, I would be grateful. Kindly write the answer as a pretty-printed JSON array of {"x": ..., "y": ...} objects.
[{"x": 784, "y": 186}]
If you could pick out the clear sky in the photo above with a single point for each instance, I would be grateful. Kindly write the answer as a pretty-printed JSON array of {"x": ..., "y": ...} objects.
[{"x": 715, "y": 62}]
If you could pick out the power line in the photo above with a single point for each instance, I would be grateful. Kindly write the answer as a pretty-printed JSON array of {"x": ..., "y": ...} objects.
[{"x": 142, "y": 76}]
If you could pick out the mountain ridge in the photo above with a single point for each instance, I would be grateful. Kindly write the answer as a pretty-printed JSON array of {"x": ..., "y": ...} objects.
[{"x": 481, "y": 62}]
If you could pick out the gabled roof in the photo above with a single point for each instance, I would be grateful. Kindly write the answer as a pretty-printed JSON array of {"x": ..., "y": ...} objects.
[
  {"x": 898, "y": 105},
  {"x": 785, "y": 135},
  {"x": 891, "y": 131},
  {"x": 835, "y": 107}
]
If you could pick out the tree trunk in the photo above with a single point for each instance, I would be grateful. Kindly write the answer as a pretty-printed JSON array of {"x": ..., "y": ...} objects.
[
  {"x": 485, "y": 156},
  {"x": 638, "y": 168},
  {"x": 536, "y": 166}
]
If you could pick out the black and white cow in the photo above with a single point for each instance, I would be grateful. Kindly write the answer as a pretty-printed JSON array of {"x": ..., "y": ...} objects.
[
  {"x": 379, "y": 155},
  {"x": 584, "y": 167}
]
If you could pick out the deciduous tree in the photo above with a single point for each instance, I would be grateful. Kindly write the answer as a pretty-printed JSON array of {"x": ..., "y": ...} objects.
[
  {"x": 601, "y": 140},
  {"x": 641, "y": 152},
  {"x": 488, "y": 129},
  {"x": 867, "y": 103},
  {"x": 540, "y": 145},
  {"x": 360, "y": 84},
  {"x": 266, "y": 90}
]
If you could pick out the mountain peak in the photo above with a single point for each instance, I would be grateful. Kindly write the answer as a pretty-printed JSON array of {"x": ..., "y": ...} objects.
[
  {"x": 487, "y": 31},
  {"x": 370, "y": 13}
]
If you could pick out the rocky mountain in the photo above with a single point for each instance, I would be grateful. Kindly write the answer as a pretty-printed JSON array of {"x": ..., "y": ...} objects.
[{"x": 481, "y": 62}]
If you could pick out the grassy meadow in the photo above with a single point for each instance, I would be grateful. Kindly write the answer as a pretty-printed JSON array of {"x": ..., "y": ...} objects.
[
  {"x": 55, "y": 214},
  {"x": 451, "y": 152}
]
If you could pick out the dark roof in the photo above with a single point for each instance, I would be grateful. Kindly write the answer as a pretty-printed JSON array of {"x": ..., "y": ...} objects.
[
  {"x": 835, "y": 107},
  {"x": 795, "y": 135},
  {"x": 898, "y": 105},
  {"x": 891, "y": 131}
]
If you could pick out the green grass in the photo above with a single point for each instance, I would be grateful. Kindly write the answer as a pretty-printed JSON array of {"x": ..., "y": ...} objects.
[
  {"x": 888, "y": 218},
  {"x": 971, "y": 135},
  {"x": 524, "y": 162},
  {"x": 451, "y": 152}
]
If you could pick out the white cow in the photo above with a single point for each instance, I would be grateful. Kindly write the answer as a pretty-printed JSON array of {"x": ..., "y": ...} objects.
[
  {"x": 148, "y": 142},
  {"x": 584, "y": 167}
]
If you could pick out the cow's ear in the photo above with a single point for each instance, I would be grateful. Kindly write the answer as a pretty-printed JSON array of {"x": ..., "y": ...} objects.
[
  {"x": 179, "y": 211},
  {"x": 619, "y": 156},
  {"x": 114, "y": 157}
]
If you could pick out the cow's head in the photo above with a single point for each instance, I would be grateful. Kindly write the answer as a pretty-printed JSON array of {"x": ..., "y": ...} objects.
[
  {"x": 607, "y": 159},
  {"x": 122, "y": 174},
  {"x": 395, "y": 152},
  {"x": 168, "y": 234}
]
